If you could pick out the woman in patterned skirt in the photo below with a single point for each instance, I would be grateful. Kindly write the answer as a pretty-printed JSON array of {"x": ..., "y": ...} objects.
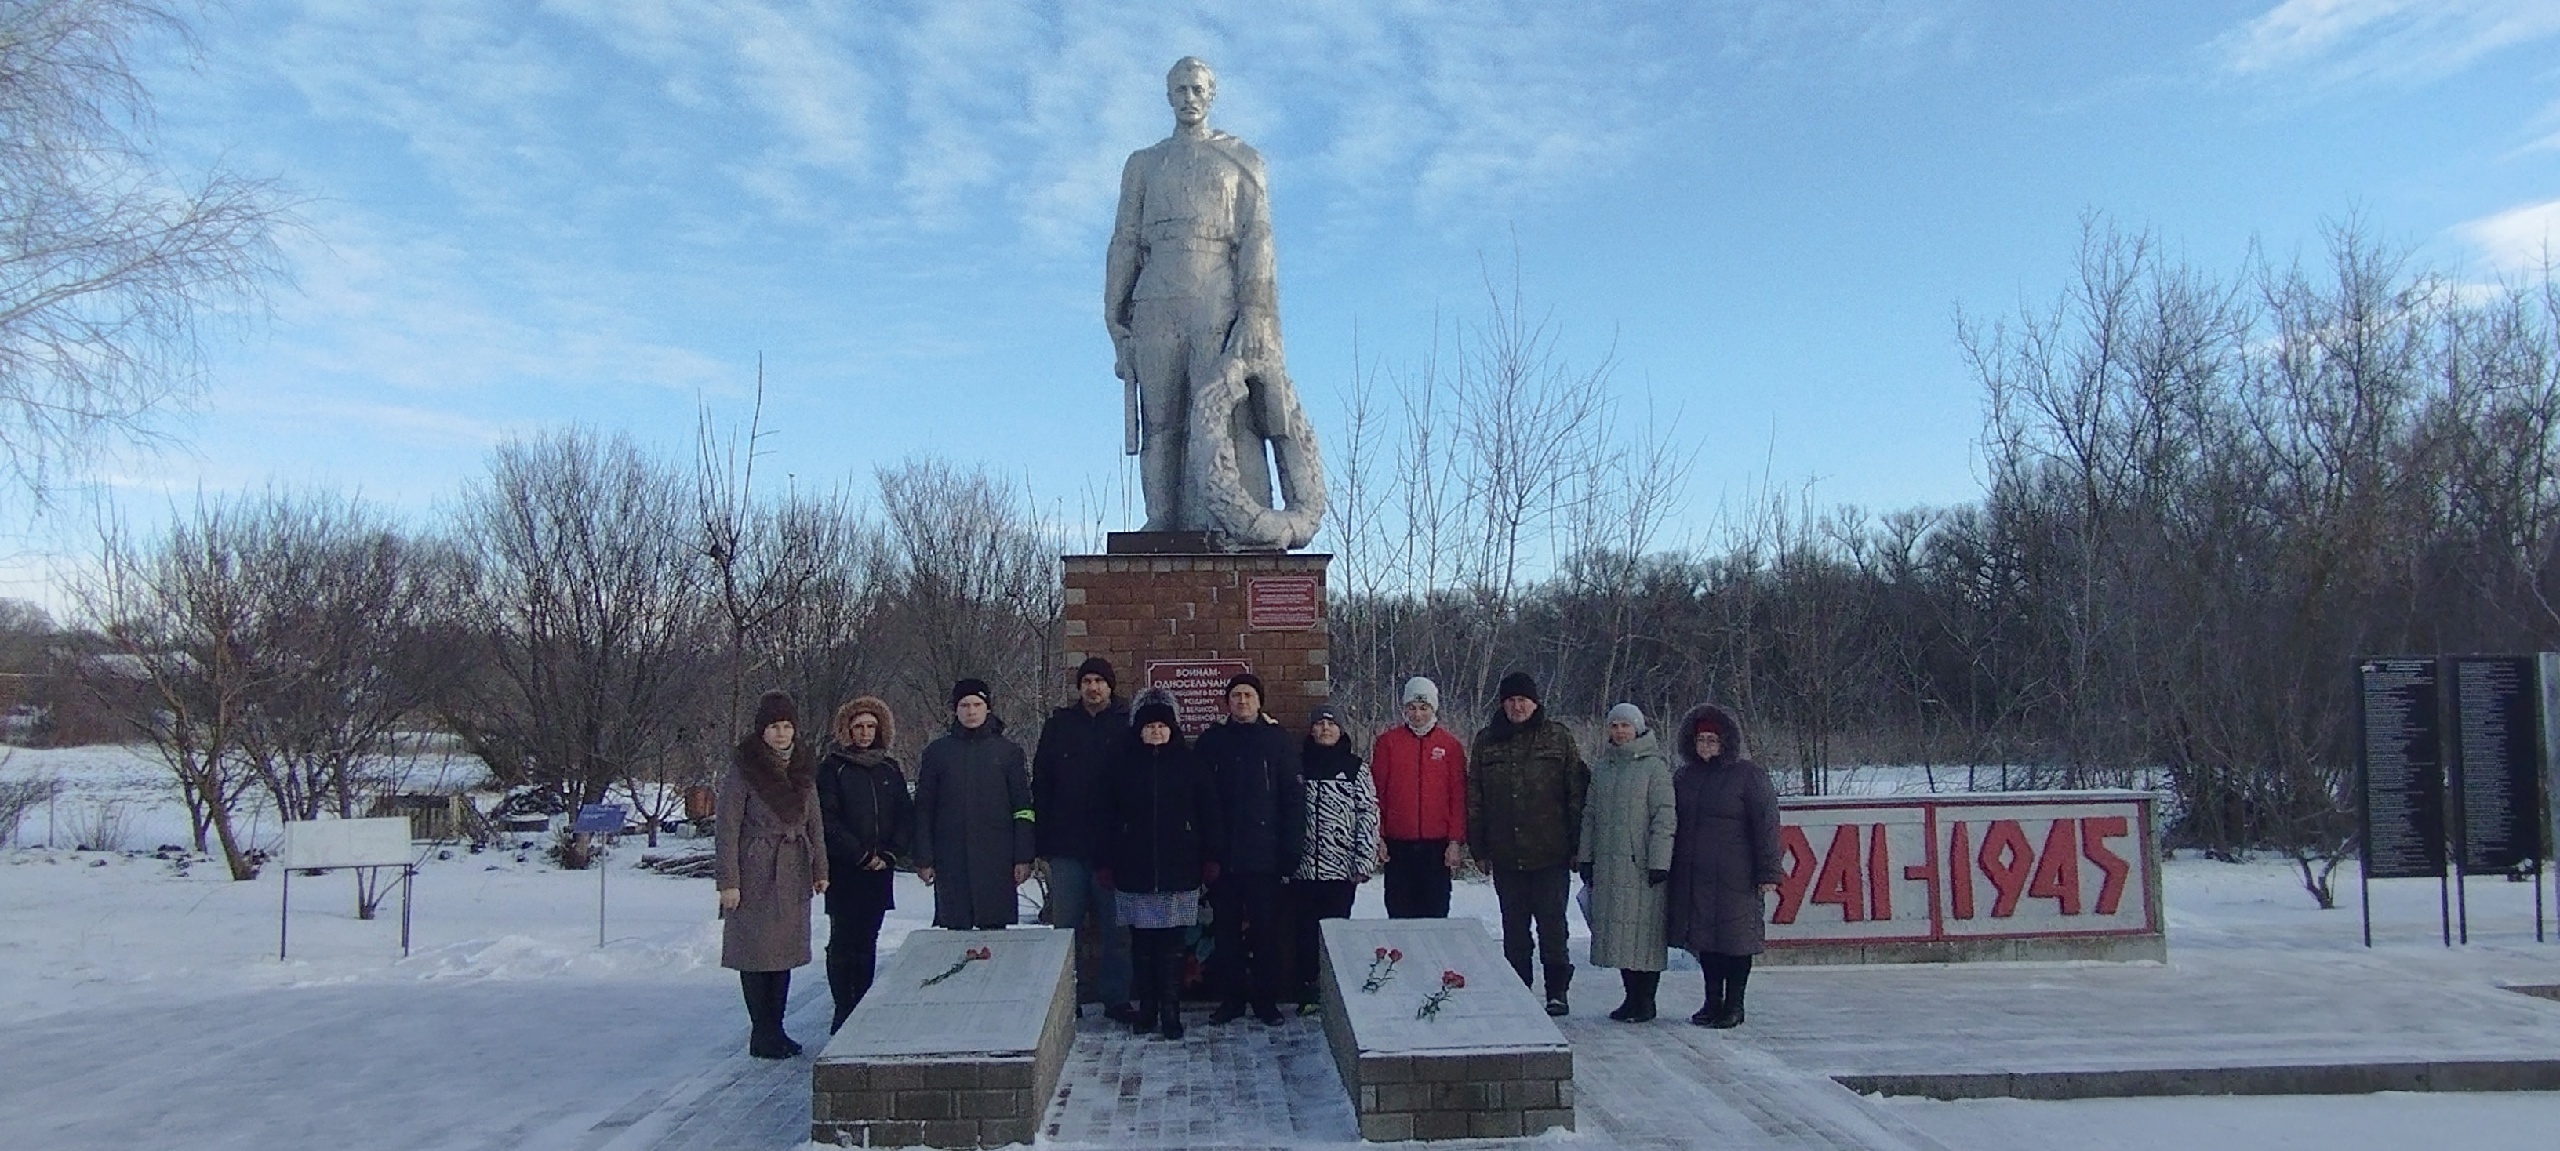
[{"x": 1165, "y": 843}]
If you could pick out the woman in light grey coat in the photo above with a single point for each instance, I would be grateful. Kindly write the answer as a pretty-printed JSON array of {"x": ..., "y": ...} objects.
[{"x": 1627, "y": 827}]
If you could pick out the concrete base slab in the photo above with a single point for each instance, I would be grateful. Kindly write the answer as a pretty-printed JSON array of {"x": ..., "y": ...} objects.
[
  {"x": 939, "y": 1057},
  {"x": 2286, "y": 1079},
  {"x": 1487, "y": 1063}
]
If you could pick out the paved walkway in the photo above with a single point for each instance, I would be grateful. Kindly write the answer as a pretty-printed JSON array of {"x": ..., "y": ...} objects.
[{"x": 646, "y": 1065}]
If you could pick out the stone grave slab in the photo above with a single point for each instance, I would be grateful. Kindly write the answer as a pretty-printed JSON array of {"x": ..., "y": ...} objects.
[
  {"x": 1488, "y": 1064},
  {"x": 967, "y": 1062}
]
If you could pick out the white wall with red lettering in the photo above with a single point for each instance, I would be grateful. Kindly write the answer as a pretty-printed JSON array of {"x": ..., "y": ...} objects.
[{"x": 1986, "y": 866}]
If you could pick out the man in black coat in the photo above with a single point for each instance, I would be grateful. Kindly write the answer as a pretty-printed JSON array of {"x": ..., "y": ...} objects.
[
  {"x": 1070, "y": 791},
  {"x": 1263, "y": 804},
  {"x": 973, "y": 842}
]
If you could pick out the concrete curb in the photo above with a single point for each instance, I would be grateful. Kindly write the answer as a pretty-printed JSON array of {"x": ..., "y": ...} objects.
[{"x": 2289, "y": 1079}]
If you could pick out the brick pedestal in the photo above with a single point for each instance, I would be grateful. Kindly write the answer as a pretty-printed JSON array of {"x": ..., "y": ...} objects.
[{"x": 1265, "y": 610}]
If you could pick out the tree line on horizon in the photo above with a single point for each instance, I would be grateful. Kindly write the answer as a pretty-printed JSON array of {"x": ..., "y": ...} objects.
[{"x": 2208, "y": 493}]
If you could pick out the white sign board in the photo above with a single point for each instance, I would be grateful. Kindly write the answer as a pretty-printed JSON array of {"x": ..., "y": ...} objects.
[
  {"x": 1933, "y": 868},
  {"x": 321, "y": 843}
]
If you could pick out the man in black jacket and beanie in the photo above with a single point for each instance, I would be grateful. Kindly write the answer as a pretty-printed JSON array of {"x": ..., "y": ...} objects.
[
  {"x": 1071, "y": 792},
  {"x": 1263, "y": 801}
]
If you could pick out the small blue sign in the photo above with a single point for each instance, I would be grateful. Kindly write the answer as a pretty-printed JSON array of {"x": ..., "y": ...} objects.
[{"x": 598, "y": 818}]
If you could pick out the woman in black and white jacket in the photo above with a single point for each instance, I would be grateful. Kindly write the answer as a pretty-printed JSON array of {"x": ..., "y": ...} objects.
[{"x": 1342, "y": 845}]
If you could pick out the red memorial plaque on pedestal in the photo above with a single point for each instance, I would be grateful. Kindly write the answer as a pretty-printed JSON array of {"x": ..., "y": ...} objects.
[
  {"x": 1199, "y": 687},
  {"x": 1283, "y": 602}
]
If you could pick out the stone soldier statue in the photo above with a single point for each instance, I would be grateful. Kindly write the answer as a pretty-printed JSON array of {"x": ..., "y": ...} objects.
[{"x": 1192, "y": 302}]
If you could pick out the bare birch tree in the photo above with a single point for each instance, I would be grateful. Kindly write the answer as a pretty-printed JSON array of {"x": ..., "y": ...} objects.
[{"x": 111, "y": 265}]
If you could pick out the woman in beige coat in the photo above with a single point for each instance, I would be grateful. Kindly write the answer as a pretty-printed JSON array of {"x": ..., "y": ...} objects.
[
  {"x": 772, "y": 856},
  {"x": 1625, "y": 858}
]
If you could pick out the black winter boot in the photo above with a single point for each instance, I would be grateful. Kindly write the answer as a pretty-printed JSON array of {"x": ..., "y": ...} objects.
[
  {"x": 1143, "y": 958},
  {"x": 764, "y": 1016},
  {"x": 1559, "y": 983},
  {"x": 1169, "y": 992},
  {"x": 1641, "y": 986},
  {"x": 1736, "y": 978},
  {"x": 780, "y": 994},
  {"x": 845, "y": 985},
  {"x": 1714, "y": 1005},
  {"x": 1626, "y": 1010}
]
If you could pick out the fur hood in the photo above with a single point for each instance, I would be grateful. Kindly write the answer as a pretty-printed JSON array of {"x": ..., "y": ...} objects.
[
  {"x": 1684, "y": 738},
  {"x": 877, "y": 709}
]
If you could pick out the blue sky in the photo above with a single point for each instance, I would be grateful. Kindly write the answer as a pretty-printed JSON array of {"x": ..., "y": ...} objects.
[{"x": 524, "y": 214}]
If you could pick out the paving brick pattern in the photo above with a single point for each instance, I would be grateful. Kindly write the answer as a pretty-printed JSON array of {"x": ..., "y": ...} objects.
[
  {"x": 80, "y": 1081},
  {"x": 1132, "y": 609},
  {"x": 1237, "y": 1085}
]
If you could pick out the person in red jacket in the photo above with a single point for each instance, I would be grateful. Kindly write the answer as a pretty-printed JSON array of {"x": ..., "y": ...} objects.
[{"x": 1421, "y": 771}]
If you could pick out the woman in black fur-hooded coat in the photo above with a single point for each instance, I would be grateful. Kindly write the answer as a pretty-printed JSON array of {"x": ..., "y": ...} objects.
[{"x": 1724, "y": 858}]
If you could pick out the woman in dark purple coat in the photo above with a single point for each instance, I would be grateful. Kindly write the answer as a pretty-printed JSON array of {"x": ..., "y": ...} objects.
[{"x": 1724, "y": 858}]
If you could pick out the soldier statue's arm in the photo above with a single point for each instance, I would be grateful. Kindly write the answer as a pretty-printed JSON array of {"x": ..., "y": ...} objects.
[
  {"x": 1255, "y": 339},
  {"x": 1120, "y": 266}
]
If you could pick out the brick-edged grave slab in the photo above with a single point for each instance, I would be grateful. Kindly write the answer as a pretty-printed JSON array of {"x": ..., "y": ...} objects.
[
  {"x": 1488, "y": 1064},
  {"x": 969, "y": 1061}
]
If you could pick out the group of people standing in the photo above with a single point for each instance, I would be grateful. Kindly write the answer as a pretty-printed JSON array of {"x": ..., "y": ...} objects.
[{"x": 1265, "y": 826}]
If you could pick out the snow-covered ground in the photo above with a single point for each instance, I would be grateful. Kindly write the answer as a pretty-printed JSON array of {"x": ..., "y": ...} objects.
[{"x": 164, "y": 948}]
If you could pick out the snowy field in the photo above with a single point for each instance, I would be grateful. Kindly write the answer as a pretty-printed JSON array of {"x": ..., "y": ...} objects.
[{"x": 153, "y": 948}]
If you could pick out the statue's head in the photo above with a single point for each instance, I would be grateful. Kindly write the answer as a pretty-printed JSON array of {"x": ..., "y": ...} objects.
[{"x": 1190, "y": 87}]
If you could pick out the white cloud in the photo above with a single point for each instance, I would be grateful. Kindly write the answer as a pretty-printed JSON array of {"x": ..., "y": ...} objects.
[
  {"x": 2341, "y": 41},
  {"x": 2521, "y": 239},
  {"x": 432, "y": 319}
]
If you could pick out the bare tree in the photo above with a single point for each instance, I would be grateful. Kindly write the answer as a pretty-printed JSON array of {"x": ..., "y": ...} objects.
[
  {"x": 109, "y": 263},
  {"x": 332, "y": 599},
  {"x": 762, "y": 557},
  {"x": 178, "y": 618},
  {"x": 974, "y": 587},
  {"x": 574, "y": 588}
]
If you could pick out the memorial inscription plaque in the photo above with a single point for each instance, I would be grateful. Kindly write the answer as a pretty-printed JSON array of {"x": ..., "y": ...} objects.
[
  {"x": 2494, "y": 776},
  {"x": 2400, "y": 768}
]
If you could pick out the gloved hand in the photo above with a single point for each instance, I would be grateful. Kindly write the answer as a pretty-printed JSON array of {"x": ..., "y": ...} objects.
[{"x": 1656, "y": 877}]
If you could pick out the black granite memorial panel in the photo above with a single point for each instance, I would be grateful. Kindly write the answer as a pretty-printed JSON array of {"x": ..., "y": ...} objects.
[
  {"x": 2400, "y": 761},
  {"x": 2494, "y": 774}
]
